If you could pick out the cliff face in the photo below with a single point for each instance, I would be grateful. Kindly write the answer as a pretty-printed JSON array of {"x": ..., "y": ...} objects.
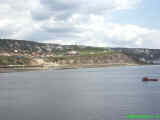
[
  {"x": 90, "y": 55},
  {"x": 115, "y": 58}
]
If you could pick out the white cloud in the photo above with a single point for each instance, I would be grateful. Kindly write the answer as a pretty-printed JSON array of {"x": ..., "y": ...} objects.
[
  {"x": 75, "y": 21},
  {"x": 97, "y": 32}
]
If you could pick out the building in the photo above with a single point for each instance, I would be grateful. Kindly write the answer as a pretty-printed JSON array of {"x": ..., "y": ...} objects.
[{"x": 15, "y": 51}]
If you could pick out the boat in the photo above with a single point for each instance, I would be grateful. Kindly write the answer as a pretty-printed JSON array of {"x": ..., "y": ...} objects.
[{"x": 146, "y": 79}]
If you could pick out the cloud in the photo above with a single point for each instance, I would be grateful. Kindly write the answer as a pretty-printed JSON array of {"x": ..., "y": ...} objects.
[
  {"x": 120, "y": 35},
  {"x": 62, "y": 9},
  {"x": 86, "y": 22},
  {"x": 59, "y": 27}
]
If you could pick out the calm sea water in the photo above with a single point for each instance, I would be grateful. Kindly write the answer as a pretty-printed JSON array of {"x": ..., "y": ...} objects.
[{"x": 79, "y": 94}]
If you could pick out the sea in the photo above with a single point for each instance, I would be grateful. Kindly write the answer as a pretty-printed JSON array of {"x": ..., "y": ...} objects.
[{"x": 109, "y": 93}]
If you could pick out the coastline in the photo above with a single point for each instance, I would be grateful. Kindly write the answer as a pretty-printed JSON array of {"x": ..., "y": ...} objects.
[{"x": 23, "y": 68}]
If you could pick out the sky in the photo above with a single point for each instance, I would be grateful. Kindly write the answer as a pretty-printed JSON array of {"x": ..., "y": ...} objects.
[{"x": 101, "y": 23}]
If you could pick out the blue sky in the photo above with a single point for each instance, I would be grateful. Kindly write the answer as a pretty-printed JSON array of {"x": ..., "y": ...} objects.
[
  {"x": 102, "y": 23},
  {"x": 146, "y": 14}
]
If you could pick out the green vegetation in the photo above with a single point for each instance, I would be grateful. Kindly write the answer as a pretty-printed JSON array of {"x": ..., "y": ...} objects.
[{"x": 14, "y": 60}]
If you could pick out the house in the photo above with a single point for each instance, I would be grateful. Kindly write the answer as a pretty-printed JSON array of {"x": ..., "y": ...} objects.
[{"x": 15, "y": 51}]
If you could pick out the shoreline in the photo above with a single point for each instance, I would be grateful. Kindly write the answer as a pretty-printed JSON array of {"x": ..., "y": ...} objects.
[{"x": 23, "y": 68}]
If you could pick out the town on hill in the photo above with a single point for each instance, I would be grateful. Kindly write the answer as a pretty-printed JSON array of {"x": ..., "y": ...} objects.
[{"x": 29, "y": 53}]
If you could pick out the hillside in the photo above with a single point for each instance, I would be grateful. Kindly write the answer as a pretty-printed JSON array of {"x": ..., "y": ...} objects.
[
  {"x": 27, "y": 46},
  {"x": 20, "y": 52},
  {"x": 148, "y": 56}
]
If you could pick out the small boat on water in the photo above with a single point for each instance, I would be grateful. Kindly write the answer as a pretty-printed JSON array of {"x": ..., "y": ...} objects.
[{"x": 145, "y": 79}]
